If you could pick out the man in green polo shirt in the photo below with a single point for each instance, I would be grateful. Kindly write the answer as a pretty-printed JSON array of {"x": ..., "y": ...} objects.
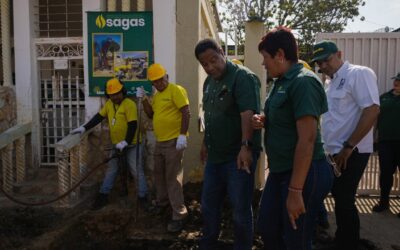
[
  {"x": 389, "y": 142},
  {"x": 231, "y": 95}
]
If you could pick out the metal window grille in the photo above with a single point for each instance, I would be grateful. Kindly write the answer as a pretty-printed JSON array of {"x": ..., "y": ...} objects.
[
  {"x": 59, "y": 18},
  {"x": 62, "y": 99},
  {"x": 62, "y": 107}
]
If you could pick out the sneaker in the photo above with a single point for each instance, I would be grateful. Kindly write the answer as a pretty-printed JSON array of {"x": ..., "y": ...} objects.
[
  {"x": 100, "y": 201},
  {"x": 176, "y": 225},
  {"x": 380, "y": 207}
]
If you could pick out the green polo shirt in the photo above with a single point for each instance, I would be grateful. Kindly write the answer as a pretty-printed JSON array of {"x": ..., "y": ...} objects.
[
  {"x": 298, "y": 93},
  {"x": 223, "y": 101},
  {"x": 389, "y": 117}
]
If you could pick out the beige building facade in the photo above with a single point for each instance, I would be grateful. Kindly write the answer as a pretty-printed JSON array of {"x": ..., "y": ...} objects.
[{"x": 50, "y": 72}]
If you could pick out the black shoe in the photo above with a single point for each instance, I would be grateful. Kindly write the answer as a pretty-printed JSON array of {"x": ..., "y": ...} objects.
[
  {"x": 176, "y": 225},
  {"x": 100, "y": 202},
  {"x": 382, "y": 206},
  {"x": 398, "y": 215},
  {"x": 327, "y": 247},
  {"x": 324, "y": 224}
]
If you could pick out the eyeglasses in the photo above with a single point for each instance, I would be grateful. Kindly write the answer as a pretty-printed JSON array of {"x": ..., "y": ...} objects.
[
  {"x": 326, "y": 60},
  {"x": 332, "y": 162}
]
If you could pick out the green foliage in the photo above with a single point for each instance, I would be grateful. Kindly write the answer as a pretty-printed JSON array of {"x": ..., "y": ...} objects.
[{"x": 304, "y": 17}]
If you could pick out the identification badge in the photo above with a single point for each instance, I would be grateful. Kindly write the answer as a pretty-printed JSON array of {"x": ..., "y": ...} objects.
[{"x": 113, "y": 121}]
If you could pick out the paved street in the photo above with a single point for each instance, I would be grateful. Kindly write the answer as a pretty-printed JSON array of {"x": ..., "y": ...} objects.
[{"x": 381, "y": 228}]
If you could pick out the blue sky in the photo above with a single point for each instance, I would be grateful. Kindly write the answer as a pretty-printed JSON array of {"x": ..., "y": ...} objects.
[{"x": 378, "y": 14}]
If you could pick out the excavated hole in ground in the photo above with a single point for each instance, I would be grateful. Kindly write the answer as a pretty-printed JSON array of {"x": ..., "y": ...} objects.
[{"x": 115, "y": 227}]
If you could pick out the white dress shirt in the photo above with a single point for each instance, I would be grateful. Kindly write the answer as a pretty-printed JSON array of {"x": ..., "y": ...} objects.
[{"x": 351, "y": 89}]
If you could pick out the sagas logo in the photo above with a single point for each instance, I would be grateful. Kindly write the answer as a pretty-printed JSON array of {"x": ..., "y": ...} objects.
[
  {"x": 100, "y": 21},
  {"x": 124, "y": 23}
]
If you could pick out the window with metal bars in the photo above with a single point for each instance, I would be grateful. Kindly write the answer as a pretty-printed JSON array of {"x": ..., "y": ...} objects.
[{"x": 60, "y": 18}]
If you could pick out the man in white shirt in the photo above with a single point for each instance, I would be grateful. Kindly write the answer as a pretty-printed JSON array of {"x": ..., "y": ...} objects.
[{"x": 353, "y": 107}]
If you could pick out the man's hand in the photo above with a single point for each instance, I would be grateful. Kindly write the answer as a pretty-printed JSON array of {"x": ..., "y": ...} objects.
[
  {"x": 257, "y": 121},
  {"x": 121, "y": 145},
  {"x": 140, "y": 92},
  {"x": 295, "y": 207},
  {"x": 245, "y": 159},
  {"x": 342, "y": 157},
  {"x": 181, "y": 142},
  {"x": 79, "y": 130}
]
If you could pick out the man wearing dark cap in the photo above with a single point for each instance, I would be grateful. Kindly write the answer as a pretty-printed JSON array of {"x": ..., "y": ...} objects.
[
  {"x": 389, "y": 142},
  {"x": 353, "y": 108}
]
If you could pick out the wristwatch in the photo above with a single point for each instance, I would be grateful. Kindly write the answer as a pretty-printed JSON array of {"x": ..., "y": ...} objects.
[
  {"x": 346, "y": 144},
  {"x": 247, "y": 143}
]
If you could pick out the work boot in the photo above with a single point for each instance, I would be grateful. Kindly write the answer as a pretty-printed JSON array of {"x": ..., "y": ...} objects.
[
  {"x": 176, "y": 225},
  {"x": 100, "y": 201},
  {"x": 381, "y": 206}
]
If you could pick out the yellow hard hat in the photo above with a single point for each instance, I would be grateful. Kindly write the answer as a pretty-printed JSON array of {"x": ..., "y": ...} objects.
[
  {"x": 113, "y": 86},
  {"x": 156, "y": 71},
  {"x": 236, "y": 61},
  {"x": 305, "y": 64}
]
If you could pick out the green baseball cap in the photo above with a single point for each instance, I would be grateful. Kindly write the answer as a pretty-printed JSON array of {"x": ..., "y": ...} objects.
[
  {"x": 323, "y": 50},
  {"x": 397, "y": 77}
]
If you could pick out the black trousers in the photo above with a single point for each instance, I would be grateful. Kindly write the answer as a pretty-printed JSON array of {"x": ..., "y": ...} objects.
[
  {"x": 389, "y": 161},
  {"x": 344, "y": 191}
]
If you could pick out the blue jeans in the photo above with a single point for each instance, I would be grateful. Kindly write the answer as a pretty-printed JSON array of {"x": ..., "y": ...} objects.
[
  {"x": 112, "y": 171},
  {"x": 322, "y": 216},
  {"x": 273, "y": 222},
  {"x": 219, "y": 180}
]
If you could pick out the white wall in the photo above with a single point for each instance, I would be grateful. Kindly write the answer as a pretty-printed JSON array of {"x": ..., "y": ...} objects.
[
  {"x": 92, "y": 104},
  {"x": 164, "y": 30},
  {"x": 26, "y": 77},
  {"x": 25, "y": 66}
]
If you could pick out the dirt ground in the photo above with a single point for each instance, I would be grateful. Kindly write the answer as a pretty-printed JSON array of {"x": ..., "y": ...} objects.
[{"x": 117, "y": 226}]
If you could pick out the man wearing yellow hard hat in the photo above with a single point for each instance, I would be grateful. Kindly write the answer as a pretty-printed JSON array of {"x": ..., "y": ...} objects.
[
  {"x": 170, "y": 113},
  {"x": 121, "y": 113}
]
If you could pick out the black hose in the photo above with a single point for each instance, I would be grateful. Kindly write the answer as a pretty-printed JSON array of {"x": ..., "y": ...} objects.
[{"x": 63, "y": 195}]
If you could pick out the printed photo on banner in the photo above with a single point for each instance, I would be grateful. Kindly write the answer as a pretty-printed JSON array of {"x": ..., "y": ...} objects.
[
  {"x": 132, "y": 65},
  {"x": 104, "y": 46}
]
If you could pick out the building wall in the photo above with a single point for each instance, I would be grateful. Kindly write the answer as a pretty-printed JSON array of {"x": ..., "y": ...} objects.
[
  {"x": 191, "y": 26},
  {"x": 187, "y": 75},
  {"x": 180, "y": 27}
]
